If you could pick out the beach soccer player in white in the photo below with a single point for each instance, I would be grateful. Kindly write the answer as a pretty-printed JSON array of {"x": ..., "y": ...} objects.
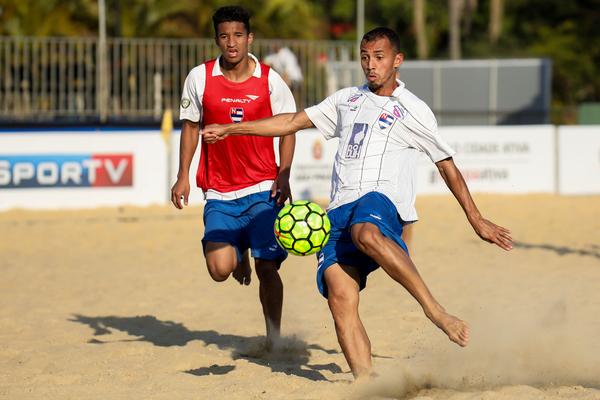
[{"x": 382, "y": 129}]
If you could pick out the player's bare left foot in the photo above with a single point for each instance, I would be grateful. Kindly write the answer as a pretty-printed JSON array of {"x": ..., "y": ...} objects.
[
  {"x": 242, "y": 273},
  {"x": 456, "y": 329}
]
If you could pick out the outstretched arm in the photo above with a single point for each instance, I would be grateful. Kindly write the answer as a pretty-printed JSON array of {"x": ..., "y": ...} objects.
[
  {"x": 187, "y": 148},
  {"x": 277, "y": 125},
  {"x": 486, "y": 230}
]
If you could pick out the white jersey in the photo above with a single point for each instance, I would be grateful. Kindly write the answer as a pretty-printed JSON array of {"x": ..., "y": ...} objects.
[
  {"x": 286, "y": 63},
  {"x": 381, "y": 139},
  {"x": 282, "y": 100}
]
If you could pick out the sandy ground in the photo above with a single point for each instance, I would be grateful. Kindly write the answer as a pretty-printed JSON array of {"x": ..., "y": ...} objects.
[{"x": 117, "y": 304}]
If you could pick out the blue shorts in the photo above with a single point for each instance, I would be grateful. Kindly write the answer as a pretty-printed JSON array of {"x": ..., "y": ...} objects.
[
  {"x": 373, "y": 207},
  {"x": 244, "y": 223}
]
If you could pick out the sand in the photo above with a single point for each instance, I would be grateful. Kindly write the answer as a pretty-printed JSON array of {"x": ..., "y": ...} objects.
[{"x": 117, "y": 304}]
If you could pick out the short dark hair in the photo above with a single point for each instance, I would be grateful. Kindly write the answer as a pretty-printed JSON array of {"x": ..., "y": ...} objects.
[
  {"x": 231, "y": 14},
  {"x": 381, "y": 32}
]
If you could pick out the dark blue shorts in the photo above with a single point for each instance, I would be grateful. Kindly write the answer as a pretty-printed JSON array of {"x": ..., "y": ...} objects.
[
  {"x": 244, "y": 223},
  {"x": 373, "y": 207}
]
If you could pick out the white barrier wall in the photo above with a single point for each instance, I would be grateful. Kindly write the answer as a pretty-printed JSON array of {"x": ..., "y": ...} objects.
[
  {"x": 83, "y": 169},
  {"x": 579, "y": 159},
  {"x": 497, "y": 159},
  {"x": 79, "y": 169}
]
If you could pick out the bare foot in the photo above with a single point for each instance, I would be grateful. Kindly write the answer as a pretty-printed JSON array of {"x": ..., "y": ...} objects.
[
  {"x": 270, "y": 344},
  {"x": 456, "y": 329},
  {"x": 242, "y": 273},
  {"x": 273, "y": 339}
]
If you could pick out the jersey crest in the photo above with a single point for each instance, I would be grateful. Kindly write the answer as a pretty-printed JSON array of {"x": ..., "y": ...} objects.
[
  {"x": 236, "y": 114},
  {"x": 385, "y": 120}
]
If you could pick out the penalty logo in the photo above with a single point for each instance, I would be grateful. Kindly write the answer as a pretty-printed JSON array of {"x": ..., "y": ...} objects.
[{"x": 236, "y": 114}]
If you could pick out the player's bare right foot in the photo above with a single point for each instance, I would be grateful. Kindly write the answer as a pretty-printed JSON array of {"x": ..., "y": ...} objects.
[
  {"x": 242, "y": 273},
  {"x": 456, "y": 329}
]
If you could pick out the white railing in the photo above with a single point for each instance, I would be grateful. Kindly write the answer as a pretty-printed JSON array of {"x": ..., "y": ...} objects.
[{"x": 62, "y": 79}]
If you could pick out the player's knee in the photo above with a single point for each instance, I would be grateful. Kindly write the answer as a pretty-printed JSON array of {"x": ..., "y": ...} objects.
[
  {"x": 218, "y": 272},
  {"x": 218, "y": 276},
  {"x": 343, "y": 303},
  {"x": 267, "y": 270},
  {"x": 367, "y": 239}
]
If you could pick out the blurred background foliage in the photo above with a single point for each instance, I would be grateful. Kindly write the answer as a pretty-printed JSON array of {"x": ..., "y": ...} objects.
[{"x": 565, "y": 31}]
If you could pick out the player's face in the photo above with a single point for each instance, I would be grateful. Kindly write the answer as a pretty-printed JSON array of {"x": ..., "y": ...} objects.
[
  {"x": 233, "y": 40},
  {"x": 379, "y": 61}
]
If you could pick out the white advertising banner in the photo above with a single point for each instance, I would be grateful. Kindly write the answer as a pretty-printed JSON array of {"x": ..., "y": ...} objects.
[
  {"x": 497, "y": 159},
  {"x": 81, "y": 169},
  {"x": 579, "y": 159}
]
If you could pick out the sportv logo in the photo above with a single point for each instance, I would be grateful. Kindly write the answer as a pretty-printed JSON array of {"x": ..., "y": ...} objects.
[{"x": 65, "y": 170}]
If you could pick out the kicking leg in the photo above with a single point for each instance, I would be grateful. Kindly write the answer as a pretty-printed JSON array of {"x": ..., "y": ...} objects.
[
  {"x": 271, "y": 296},
  {"x": 222, "y": 260},
  {"x": 407, "y": 235},
  {"x": 343, "y": 297},
  {"x": 396, "y": 263}
]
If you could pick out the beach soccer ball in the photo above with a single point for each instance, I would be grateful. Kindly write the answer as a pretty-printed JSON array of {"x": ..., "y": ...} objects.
[{"x": 302, "y": 228}]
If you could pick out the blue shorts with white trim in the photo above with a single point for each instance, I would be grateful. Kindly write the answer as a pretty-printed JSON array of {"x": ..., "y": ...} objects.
[
  {"x": 373, "y": 207},
  {"x": 244, "y": 223}
]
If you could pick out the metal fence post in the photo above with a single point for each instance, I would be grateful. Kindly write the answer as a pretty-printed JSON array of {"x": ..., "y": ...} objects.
[{"x": 101, "y": 71}]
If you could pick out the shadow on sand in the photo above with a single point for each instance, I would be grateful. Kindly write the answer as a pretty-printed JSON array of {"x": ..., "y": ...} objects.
[
  {"x": 560, "y": 250},
  {"x": 289, "y": 355}
]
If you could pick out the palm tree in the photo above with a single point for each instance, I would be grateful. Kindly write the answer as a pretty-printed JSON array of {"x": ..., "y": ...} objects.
[
  {"x": 286, "y": 19},
  {"x": 469, "y": 11},
  {"x": 163, "y": 18},
  {"x": 496, "y": 15},
  {"x": 419, "y": 13},
  {"x": 48, "y": 18},
  {"x": 455, "y": 8}
]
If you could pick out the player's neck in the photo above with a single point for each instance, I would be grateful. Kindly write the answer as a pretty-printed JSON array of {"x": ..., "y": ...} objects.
[
  {"x": 387, "y": 89},
  {"x": 238, "y": 72}
]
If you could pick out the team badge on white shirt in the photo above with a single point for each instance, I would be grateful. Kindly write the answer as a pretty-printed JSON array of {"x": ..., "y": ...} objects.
[{"x": 385, "y": 121}]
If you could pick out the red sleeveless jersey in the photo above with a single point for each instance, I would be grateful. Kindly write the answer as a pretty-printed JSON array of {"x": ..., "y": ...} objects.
[{"x": 237, "y": 161}]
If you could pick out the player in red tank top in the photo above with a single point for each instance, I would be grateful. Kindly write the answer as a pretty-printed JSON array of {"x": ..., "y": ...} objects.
[
  {"x": 240, "y": 210},
  {"x": 244, "y": 161}
]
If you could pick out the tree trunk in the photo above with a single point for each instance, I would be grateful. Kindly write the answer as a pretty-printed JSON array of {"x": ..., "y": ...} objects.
[
  {"x": 496, "y": 15},
  {"x": 470, "y": 9},
  {"x": 455, "y": 8},
  {"x": 420, "y": 31}
]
